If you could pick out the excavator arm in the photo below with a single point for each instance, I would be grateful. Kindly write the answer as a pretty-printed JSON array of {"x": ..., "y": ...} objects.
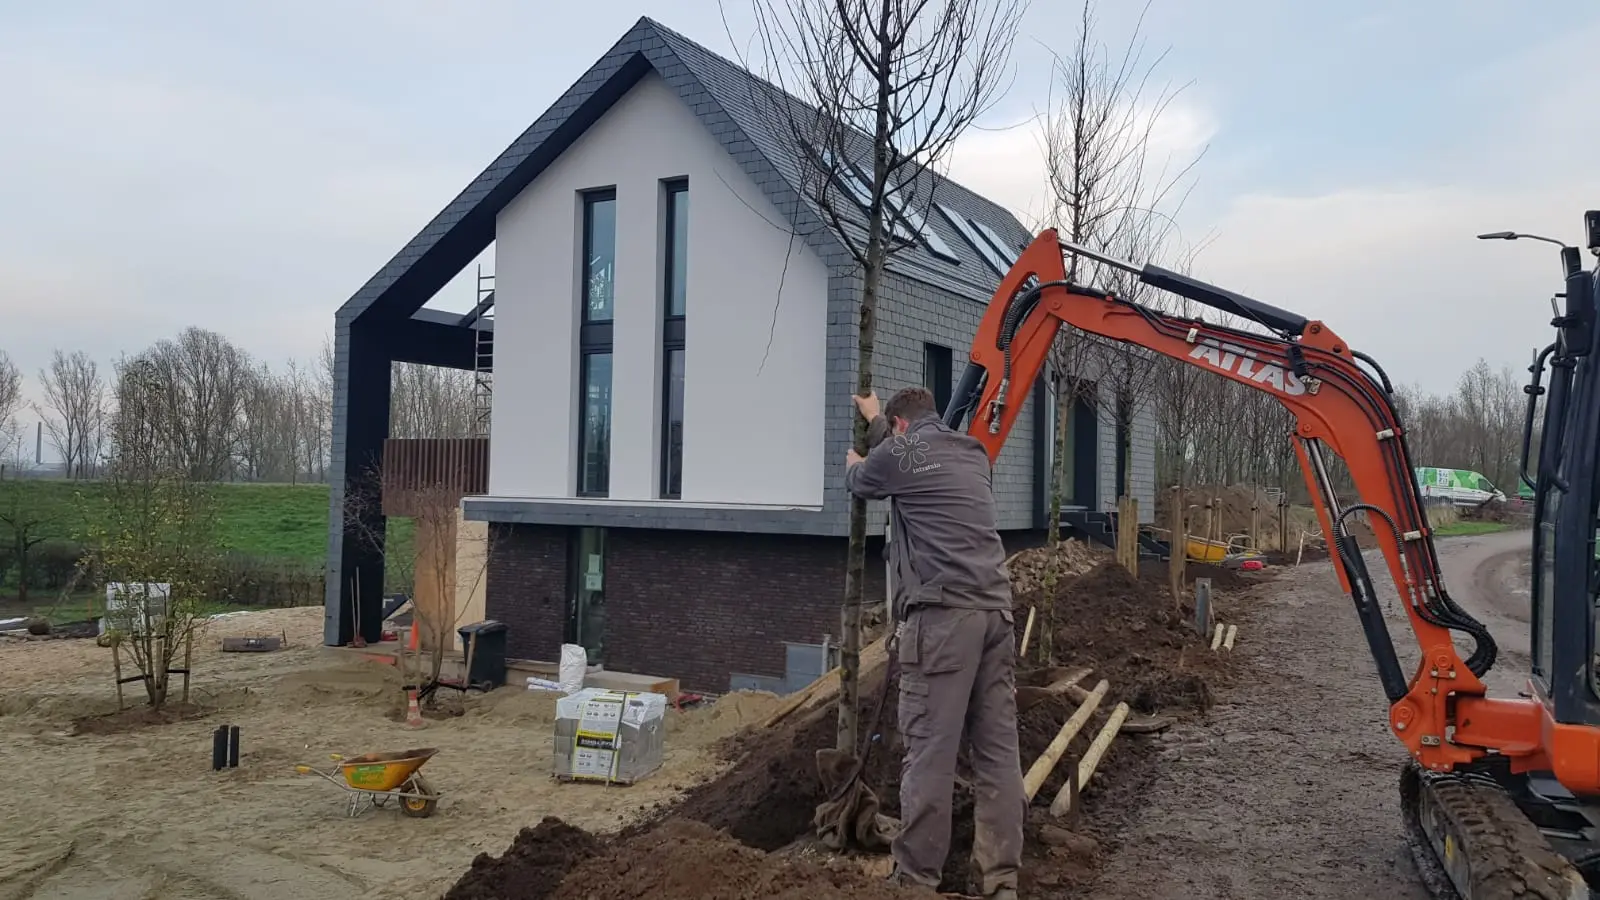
[{"x": 1341, "y": 401}]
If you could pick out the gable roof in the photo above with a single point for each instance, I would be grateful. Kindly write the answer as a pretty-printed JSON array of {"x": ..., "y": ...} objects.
[{"x": 736, "y": 107}]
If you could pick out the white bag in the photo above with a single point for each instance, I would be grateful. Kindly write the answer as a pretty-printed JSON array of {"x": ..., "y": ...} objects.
[{"x": 574, "y": 665}]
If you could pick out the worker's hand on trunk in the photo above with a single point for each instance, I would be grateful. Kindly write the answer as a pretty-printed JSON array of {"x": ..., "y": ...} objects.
[
  {"x": 851, "y": 458},
  {"x": 868, "y": 405}
]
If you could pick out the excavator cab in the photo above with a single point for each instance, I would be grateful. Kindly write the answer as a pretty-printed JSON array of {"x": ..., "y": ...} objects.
[
  {"x": 1566, "y": 492},
  {"x": 1501, "y": 796}
]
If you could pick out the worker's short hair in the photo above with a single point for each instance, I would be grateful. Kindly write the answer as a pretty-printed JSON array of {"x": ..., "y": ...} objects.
[{"x": 911, "y": 404}]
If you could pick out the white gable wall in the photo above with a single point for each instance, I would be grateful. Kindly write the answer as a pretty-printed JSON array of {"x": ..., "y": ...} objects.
[{"x": 753, "y": 416}]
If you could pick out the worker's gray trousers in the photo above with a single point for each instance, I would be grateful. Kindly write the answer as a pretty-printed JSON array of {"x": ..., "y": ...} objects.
[{"x": 957, "y": 670}]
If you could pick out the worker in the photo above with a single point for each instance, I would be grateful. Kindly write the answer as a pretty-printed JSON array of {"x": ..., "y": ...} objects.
[{"x": 954, "y": 637}]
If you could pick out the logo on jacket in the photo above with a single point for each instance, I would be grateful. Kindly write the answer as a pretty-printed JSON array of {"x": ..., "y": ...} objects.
[{"x": 911, "y": 450}]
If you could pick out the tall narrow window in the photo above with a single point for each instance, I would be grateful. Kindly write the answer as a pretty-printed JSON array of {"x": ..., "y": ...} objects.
[
  {"x": 936, "y": 374},
  {"x": 675, "y": 307},
  {"x": 596, "y": 297}
]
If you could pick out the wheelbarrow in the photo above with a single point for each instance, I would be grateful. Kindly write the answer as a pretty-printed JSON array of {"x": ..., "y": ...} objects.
[{"x": 372, "y": 779}]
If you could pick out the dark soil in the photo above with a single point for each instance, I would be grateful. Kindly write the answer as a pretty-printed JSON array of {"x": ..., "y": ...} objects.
[
  {"x": 1495, "y": 511},
  {"x": 1128, "y": 629},
  {"x": 683, "y": 859},
  {"x": 136, "y": 718},
  {"x": 531, "y": 868},
  {"x": 1134, "y": 635}
]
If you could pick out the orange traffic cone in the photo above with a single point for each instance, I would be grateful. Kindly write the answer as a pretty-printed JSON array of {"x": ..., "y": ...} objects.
[{"x": 413, "y": 711}]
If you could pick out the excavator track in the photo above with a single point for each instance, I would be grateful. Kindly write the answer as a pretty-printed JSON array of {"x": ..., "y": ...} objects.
[{"x": 1470, "y": 841}]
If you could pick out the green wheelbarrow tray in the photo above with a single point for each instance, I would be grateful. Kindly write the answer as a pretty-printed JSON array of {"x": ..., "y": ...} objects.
[{"x": 372, "y": 779}]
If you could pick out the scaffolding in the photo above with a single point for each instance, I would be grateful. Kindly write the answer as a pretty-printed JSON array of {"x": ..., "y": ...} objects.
[{"x": 483, "y": 356}]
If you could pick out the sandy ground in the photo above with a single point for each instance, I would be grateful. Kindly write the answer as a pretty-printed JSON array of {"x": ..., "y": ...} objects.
[
  {"x": 1290, "y": 789},
  {"x": 141, "y": 814}
]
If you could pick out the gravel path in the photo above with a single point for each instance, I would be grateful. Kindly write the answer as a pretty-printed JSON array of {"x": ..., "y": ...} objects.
[{"x": 1290, "y": 788}]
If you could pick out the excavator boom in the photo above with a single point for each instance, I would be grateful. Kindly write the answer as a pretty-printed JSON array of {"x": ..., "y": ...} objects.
[{"x": 1341, "y": 402}]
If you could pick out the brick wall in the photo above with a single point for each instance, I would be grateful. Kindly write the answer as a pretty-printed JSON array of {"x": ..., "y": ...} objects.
[
  {"x": 691, "y": 605},
  {"x": 526, "y": 588},
  {"x": 699, "y": 606}
]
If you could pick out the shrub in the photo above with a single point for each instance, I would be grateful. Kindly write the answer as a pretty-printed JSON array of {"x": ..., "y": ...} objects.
[
  {"x": 52, "y": 564},
  {"x": 256, "y": 581}
]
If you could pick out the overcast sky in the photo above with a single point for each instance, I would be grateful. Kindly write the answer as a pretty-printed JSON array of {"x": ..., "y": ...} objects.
[{"x": 246, "y": 166}]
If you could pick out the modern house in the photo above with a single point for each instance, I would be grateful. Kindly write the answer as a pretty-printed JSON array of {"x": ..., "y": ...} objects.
[{"x": 673, "y": 336}]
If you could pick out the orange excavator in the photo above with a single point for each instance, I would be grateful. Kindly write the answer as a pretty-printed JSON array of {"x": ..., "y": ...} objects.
[{"x": 1501, "y": 796}]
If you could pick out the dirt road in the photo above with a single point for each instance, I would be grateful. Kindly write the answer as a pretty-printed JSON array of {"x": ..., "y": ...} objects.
[{"x": 1290, "y": 789}]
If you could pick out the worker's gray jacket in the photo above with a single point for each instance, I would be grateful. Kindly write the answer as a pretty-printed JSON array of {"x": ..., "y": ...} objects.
[{"x": 944, "y": 549}]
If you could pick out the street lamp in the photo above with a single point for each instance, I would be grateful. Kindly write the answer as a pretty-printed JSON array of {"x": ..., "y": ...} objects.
[{"x": 1571, "y": 260}]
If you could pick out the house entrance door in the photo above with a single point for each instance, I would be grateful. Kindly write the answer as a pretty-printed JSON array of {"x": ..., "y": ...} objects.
[{"x": 586, "y": 609}]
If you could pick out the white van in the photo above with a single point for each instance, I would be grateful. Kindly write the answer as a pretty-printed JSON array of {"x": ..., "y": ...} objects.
[{"x": 1463, "y": 487}]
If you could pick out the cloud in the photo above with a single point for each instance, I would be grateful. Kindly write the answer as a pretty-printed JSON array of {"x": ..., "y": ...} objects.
[
  {"x": 1008, "y": 164},
  {"x": 1396, "y": 268}
]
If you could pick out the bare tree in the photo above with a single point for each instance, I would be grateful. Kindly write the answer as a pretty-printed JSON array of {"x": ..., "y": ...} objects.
[
  {"x": 10, "y": 401},
  {"x": 1106, "y": 196},
  {"x": 430, "y": 402},
  {"x": 884, "y": 88},
  {"x": 74, "y": 410},
  {"x": 200, "y": 383}
]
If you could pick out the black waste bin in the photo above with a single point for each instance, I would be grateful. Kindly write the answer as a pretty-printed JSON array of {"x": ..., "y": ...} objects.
[{"x": 488, "y": 667}]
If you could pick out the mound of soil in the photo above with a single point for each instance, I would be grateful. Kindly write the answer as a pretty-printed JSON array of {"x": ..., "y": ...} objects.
[
  {"x": 136, "y": 718},
  {"x": 1132, "y": 633},
  {"x": 720, "y": 839},
  {"x": 685, "y": 860},
  {"x": 1494, "y": 511},
  {"x": 531, "y": 868}
]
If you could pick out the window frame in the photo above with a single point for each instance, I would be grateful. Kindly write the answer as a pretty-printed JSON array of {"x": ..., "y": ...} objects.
[
  {"x": 594, "y": 338},
  {"x": 934, "y": 358},
  {"x": 673, "y": 328}
]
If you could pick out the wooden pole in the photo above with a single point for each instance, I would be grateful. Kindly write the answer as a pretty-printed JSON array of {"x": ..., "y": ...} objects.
[
  {"x": 1046, "y": 763},
  {"x": 1027, "y": 632},
  {"x": 1255, "y": 518},
  {"x": 1283, "y": 522},
  {"x": 1091, "y": 759},
  {"x": 116, "y": 669},
  {"x": 1179, "y": 548}
]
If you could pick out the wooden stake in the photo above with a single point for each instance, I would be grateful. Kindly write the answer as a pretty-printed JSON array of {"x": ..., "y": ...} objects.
[
  {"x": 1233, "y": 632},
  {"x": 188, "y": 660},
  {"x": 1091, "y": 759},
  {"x": 1255, "y": 519},
  {"x": 1070, "y": 680},
  {"x": 116, "y": 669},
  {"x": 1216, "y": 639},
  {"x": 1180, "y": 545},
  {"x": 1027, "y": 632},
  {"x": 1046, "y": 763}
]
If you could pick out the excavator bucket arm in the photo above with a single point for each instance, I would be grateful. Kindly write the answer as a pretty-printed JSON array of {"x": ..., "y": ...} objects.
[{"x": 1341, "y": 401}]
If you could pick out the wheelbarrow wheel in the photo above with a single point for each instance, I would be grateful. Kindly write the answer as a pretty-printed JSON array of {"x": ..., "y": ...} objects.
[{"x": 418, "y": 807}]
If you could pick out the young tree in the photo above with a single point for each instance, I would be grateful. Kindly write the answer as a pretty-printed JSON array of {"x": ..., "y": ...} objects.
[
  {"x": 157, "y": 526},
  {"x": 431, "y": 571},
  {"x": 887, "y": 86},
  {"x": 74, "y": 410},
  {"x": 23, "y": 527}
]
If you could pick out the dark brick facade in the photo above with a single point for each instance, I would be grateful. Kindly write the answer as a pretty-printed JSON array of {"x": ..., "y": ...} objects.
[
  {"x": 692, "y": 605},
  {"x": 525, "y": 587}
]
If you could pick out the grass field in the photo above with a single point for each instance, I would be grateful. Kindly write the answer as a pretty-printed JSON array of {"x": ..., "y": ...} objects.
[
  {"x": 279, "y": 521},
  {"x": 286, "y": 523}
]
